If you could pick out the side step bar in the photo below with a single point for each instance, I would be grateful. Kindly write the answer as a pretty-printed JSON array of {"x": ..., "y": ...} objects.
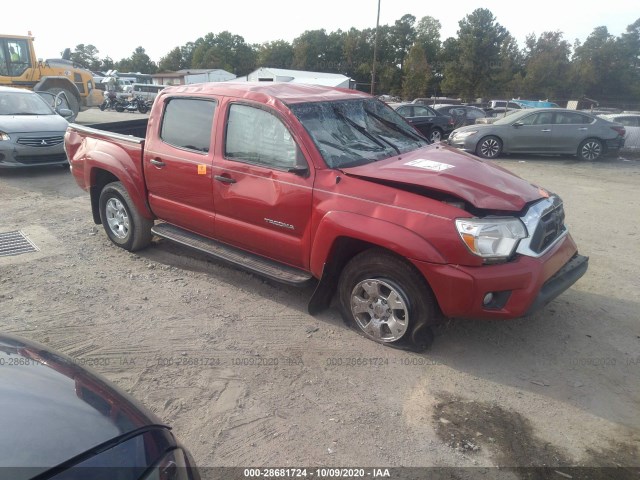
[{"x": 248, "y": 261}]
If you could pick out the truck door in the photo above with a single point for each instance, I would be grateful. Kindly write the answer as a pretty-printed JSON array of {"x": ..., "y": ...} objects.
[
  {"x": 262, "y": 185},
  {"x": 177, "y": 164}
]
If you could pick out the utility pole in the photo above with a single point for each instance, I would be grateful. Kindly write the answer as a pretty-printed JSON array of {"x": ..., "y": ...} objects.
[{"x": 375, "y": 54}]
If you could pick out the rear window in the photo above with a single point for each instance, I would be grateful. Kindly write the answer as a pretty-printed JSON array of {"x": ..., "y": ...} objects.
[
  {"x": 570, "y": 118},
  {"x": 628, "y": 121},
  {"x": 187, "y": 123},
  {"x": 475, "y": 113}
]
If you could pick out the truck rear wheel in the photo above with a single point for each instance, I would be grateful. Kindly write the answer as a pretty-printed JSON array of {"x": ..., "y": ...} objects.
[
  {"x": 74, "y": 106},
  {"x": 122, "y": 222},
  {"x": 387, "y": 299}
]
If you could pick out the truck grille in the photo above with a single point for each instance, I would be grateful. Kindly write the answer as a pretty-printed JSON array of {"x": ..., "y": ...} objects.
[
  {"x": 49, "y": 141},
  {"x": 550, "y": 227}
]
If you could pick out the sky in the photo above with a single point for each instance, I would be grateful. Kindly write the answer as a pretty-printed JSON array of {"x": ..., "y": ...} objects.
[{"x": 116, "y": 29}]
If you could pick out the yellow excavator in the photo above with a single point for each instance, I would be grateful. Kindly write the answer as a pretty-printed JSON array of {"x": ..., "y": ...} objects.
[{"x": 19, "y": 67}]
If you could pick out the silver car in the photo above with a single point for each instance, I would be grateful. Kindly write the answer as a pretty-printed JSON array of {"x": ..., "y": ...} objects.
[
  {"x": 31, "y": 132},
  {"x": 544, "y": 131}
]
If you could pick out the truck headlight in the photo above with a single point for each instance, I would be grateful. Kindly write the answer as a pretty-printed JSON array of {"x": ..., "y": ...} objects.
[{"x": 491, "y": 238}]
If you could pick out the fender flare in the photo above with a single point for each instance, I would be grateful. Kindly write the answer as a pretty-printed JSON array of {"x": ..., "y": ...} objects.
[
  {"x": 326, "y": 261},
  {"x": 382, "y": 233},
  {"x": 101, "y": 161}
]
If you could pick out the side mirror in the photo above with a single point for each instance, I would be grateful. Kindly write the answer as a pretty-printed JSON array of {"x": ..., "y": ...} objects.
[
  {"x": 64, "y": 112},
  {"x": 517, "y": 124}
]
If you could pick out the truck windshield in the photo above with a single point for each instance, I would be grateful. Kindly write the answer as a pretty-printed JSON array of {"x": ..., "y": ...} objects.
[{"x": 355, "y": 132}]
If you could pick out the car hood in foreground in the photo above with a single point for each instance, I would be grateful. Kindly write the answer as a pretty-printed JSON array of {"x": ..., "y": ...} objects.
[
  {"x": 54, "y": 409},
  {"x": 447, "y": 170},
  {"x": 32, "y": 123}
]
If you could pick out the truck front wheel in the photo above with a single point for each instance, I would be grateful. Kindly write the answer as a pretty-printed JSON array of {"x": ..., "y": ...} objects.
[
  {"x": 387, "y": 299},
  {"x": 122, "y": 222}
]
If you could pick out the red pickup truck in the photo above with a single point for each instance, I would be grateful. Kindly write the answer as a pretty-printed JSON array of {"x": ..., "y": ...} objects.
[{"x": 304, "y": 183}]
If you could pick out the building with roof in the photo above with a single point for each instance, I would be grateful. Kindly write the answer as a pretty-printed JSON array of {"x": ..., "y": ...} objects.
[
  {"x": 192, "y": 75},
  {"x": 267, "y": 74}
]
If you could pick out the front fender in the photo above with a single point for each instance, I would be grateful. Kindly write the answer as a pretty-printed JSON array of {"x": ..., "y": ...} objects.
[{"x": 382, "y": 233}]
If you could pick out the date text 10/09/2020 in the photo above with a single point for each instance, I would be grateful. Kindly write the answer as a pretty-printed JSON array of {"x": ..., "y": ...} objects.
[{"x": 289, "y": 472}]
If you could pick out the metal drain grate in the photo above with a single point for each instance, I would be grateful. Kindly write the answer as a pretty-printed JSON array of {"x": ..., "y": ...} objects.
[{"x": 15, "y": 243}]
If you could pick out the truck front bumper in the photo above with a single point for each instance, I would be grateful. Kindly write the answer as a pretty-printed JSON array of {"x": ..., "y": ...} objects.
[{"x": 510, "y": 290}]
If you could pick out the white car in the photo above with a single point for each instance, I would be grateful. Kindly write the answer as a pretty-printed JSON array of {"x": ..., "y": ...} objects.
[{"x": 631, "y": 122}]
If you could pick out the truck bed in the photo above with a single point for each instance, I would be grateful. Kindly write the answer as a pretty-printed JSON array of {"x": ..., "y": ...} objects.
[{"x": 135, "y": 128}]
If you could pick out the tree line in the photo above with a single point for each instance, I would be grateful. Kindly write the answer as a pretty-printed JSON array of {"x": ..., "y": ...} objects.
[{"x": 483, "y": 61}]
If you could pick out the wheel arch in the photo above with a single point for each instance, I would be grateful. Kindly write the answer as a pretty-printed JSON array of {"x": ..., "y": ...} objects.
[
  {"x": 100, "y": 177},
  {"x": 342, "y": 235}
]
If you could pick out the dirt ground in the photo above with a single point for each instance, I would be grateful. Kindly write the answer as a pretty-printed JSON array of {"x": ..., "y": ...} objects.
[{"x": 247, "y": 378}]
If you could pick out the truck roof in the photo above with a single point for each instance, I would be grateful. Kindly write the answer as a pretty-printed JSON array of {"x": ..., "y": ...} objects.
[{"x": 260, "y": 91}]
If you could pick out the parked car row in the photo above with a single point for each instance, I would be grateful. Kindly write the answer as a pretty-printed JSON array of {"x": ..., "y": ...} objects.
[
  {"x": 520, "y": 129},
  {"x": 437, "y": 122},
  {"x": 432, "y": 124},
  {"x": 542, "y": 131}
]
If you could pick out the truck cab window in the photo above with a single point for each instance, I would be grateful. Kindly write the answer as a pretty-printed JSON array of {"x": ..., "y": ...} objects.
[
  {"x": 187, "y": 123},
  {"x": 18, "y": 59},
  {"x": 256, "y": 136}
]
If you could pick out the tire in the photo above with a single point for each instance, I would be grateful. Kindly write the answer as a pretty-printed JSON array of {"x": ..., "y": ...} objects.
[
  {"x": 122, "y": 222},
  {"x": 74, "y": 106},
  {"x": 103, "y": 106},
  {"x": 489, "y": 147},
  {"x": 591, "y": 149},
  {"x": 435, "y": 135},
  {"x": 375, "y": 281},
  {"x": 142, "y": 108}
]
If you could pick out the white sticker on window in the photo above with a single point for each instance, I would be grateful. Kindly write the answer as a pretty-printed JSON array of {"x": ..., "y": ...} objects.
[{"x": 429, "y": 165}]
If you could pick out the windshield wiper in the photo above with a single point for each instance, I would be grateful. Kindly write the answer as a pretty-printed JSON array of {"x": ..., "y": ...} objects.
[{"x": 362, "y": 130}]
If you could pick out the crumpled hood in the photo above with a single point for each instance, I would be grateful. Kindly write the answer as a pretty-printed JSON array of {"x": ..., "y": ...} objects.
[
  {"x": 32, "y": 123},
  {"x": 448, "y": 170}
]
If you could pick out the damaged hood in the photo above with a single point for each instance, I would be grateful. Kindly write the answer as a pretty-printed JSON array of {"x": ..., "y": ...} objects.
[{"x": 447, "y": 170}]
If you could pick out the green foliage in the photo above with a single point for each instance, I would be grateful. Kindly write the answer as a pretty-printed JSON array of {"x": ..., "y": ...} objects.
[
  {"x": 225, "y": 51},
  {"x": 475, "y": 57},
  {"x": 605, "y": 66},
  {"x": 86, "y": 56},
  {"x": 547, "y": 66},
  {"x": 138, "y": 62},
  {"x": 483, "y": 60},
  {"x": 172, "y": 61},
  {"x": 277, "y": 54},
  {"x": 416, "y": 73}
]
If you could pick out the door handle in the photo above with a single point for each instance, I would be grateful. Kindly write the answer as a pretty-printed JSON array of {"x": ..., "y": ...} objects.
[
  {"x": 224, "y": 179},
  {"x": 546, "y": 130},
  {"x": 157, "y": 163},
  {"x": 583, "y": 129}
]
